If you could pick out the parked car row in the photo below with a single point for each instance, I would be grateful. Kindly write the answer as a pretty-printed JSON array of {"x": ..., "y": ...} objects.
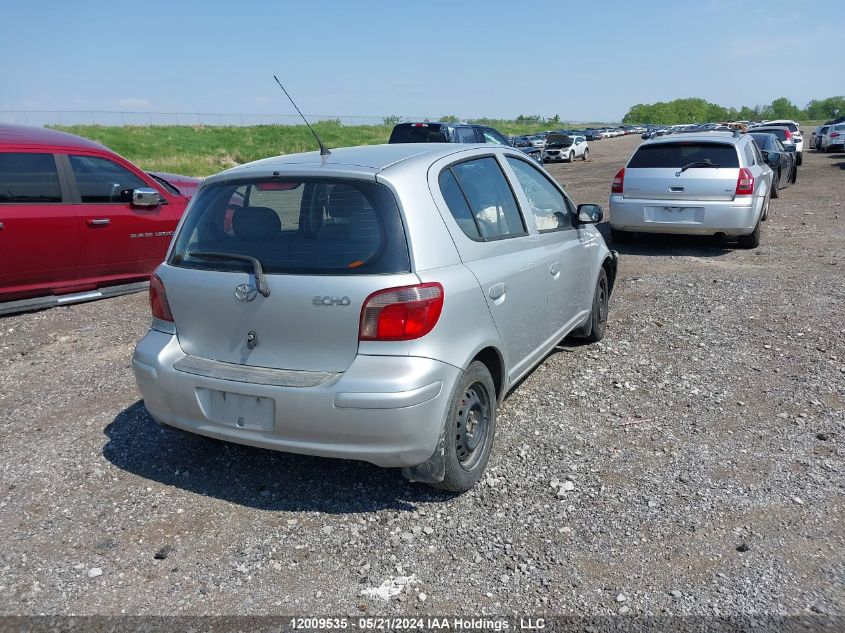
[
  {"x": 703, "y": 182},
  {"x": 438, "y": 132},
  {"x": 829, "y": 137}
]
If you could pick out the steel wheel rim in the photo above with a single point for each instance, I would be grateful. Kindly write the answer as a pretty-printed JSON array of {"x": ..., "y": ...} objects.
[{"x": 472, "y": 425}]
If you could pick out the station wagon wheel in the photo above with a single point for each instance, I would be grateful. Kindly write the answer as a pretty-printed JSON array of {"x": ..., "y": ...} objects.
[{"x": 470, "y": 427}]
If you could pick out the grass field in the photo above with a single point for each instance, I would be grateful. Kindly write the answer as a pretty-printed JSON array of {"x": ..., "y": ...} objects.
[{"x": 204, "y": 150}]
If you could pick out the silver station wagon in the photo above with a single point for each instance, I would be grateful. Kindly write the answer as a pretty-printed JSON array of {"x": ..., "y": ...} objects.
[
  {"x": 374, "y": 304},
  {"x": 708, "y": 183}
]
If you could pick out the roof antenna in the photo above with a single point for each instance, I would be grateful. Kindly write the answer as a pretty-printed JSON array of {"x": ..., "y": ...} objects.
[{"x": 324, "y": 151}]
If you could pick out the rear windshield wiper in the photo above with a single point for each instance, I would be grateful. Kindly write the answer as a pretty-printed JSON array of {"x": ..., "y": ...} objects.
[
  {"x": 699, "y": 163},
  {"x": 260, "y": 280}
]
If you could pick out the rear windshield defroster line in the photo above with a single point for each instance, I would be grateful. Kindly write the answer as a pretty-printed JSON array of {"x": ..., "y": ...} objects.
[{"x": 297, "y": 226}]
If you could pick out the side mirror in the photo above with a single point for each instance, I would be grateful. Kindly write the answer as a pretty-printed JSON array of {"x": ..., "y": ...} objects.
[
  {"x": 589, "y": 214},
  {"x": 146, "y": 197},
  {"x": 772, "y": 156}
]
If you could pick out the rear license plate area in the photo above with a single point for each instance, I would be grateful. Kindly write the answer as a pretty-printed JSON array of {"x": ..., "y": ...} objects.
[
  {"x": 238, "y": 410},
  {"x": 674, "y": 214}
]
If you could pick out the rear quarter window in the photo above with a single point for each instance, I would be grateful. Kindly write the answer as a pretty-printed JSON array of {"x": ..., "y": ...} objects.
[{"x": 666, "y": 155}]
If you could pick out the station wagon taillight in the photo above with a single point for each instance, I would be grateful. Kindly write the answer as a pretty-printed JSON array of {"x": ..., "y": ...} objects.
[
  {"x": 401, "y": 314},
  {"x": 158, "y": 300},
  {"x": 744, "y": 182},
  {"x": 618, "y": 182}
]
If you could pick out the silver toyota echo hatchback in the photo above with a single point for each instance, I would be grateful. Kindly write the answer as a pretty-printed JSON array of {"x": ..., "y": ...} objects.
[{"x": 373, "y": 304}]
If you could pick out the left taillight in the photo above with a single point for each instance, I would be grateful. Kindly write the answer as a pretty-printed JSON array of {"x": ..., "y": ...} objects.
[
  {"x": 158, "y": 300},
  {"x": 401, "y": 314},
  {"x": 744, "y": 182}
]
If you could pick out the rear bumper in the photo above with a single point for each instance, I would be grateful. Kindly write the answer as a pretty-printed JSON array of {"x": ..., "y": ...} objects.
[
  {"x": 387, "y": 410},
  {"x": 731, "y": 217}
]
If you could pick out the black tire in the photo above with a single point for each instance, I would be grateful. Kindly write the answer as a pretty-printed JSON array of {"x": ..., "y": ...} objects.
[
  {"x": 586, "y": 154},
  {"x": 597, "y": 322},
  {"x": 795, "y": 174},
  {"x": 571, "y": 157},
  {"x": 752, "y": 240},
  {"x": 799, "y": 158},
  {"x": 776, "y": 186},
  {"x": 470, "y": 429},
  {"x": 618, "y": 236}
]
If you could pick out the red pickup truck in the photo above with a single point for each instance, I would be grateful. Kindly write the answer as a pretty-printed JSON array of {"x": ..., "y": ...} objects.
[{"x": 77, "y": 221}]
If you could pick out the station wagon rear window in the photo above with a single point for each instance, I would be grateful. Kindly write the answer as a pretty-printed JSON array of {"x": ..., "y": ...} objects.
[
  {"x": 662, "y": 155},
  {"x": 301, "y": 226}
]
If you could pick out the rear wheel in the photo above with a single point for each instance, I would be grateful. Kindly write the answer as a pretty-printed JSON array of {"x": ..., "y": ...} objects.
[
  {"x": 470, "y": 428},
  {"x": 619, "y": 236},
  {"x": 752, "y": 240},
  {"x": 586, "y": 154},
  {"x": 776, "y": 185}
]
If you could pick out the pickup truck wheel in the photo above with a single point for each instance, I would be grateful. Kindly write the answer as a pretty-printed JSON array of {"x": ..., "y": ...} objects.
[
  {"x": 586, "y": 154},
  {"x": 598, "y": 317},
  {"x": 470, "y": 428},
  {"x": 752, "y": 240}
]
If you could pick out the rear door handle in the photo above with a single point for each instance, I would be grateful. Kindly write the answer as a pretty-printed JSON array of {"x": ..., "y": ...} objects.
[
  {"x": 554, "y": 269},
  {"x": 497, "y": 291},
  {"x": 99, "y": 222}
]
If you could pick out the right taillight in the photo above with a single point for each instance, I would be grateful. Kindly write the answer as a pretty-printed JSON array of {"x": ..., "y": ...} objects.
[
  {"x": 401, "y": 314},
  {"x": 618, "y": 185},
  {"x": 834, "y": 135},
  {"x": 158, "y": 300},
  {"x": 744, "y": 182}
]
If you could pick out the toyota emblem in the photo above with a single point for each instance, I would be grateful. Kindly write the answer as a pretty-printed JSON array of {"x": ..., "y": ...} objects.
[{"x": 245, "y": 292}]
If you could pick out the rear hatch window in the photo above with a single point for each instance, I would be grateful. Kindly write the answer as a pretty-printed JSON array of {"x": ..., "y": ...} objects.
[
  {"x": 301, "y": 226},
  {"x": 418, "y": 133},
  {"x": 664, "y": 155}
]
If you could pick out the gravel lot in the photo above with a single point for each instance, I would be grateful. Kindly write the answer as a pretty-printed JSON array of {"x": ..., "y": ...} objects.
[{"x": 703, "y": 439}]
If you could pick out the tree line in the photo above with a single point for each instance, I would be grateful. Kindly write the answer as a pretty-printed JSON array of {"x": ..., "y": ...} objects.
[{"x": 694, "y": 110}]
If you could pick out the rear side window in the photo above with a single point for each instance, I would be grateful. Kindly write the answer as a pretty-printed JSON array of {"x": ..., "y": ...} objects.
[
  {"x": 28, "y": 178},
  {"x": 749, "y": 154},
  {"x": 465, "y": 135},
  {"x": 486, "y": 193},
  {"x": 682, "y": 153},
  {"x": 303, "y": 226},
  {"x": 101, "y": 181}
]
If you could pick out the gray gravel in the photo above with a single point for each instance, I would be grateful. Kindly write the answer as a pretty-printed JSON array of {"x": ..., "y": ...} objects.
[{"x": 690, "y": 463}]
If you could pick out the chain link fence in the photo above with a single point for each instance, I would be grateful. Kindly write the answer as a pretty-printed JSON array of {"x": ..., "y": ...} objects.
[{"x": 123, "y": 118}]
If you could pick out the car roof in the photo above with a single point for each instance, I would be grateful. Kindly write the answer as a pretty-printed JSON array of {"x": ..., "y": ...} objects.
[
  {"x": 717, "y": 136},
  {"x": 31, "y": 137},
  {"x": 361, "y": 161}
]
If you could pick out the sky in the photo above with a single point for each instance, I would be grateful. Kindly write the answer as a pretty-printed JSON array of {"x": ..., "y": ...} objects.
[{"x": 585, "y": 61}]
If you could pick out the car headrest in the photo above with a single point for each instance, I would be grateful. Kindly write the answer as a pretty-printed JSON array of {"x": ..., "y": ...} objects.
[
  {"x": 345, "y": 200},
  {"x": 255, "y": 222}
]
